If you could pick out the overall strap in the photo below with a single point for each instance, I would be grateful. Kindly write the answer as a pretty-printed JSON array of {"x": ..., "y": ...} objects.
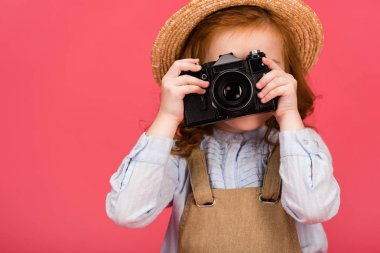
[
  {"x": 200, "y": 184},
  {"x": 271, "y": 188}
]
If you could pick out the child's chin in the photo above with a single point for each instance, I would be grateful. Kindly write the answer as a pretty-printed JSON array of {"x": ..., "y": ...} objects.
[
  {"x": 242, "y": 124},
  {"x": 245, "y": 127},
  {"x": 249, "y": 122}
]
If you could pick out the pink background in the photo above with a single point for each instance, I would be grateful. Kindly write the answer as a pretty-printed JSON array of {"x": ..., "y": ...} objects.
[{"x": 77, "y": 92}]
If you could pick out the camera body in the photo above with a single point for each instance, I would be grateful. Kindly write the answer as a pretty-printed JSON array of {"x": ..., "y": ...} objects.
[{"x": 232, "y": 91}]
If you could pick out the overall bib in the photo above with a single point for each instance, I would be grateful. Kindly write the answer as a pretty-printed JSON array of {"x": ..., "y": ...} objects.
[{"x": 249, "y": 219}]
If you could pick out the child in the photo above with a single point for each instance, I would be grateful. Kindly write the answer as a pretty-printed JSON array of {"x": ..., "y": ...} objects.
[{"x": 257, "y": 183}]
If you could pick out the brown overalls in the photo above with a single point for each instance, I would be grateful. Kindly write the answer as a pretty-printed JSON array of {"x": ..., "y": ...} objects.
[{"x": 249, "y": 219}]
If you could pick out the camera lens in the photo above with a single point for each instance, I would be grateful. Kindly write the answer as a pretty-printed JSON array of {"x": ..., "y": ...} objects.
[{"x": 232, "y": 90}]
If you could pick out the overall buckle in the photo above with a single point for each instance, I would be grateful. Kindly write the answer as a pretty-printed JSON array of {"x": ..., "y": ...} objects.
[
  {"x": 269, "y": 201},
  {"x": 206, "y": 205}
]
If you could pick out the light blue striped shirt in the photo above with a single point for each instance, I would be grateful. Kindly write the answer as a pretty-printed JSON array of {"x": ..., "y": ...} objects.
[{"x": 149, "y": 179}]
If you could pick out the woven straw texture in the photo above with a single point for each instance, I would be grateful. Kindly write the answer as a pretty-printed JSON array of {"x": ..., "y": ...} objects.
[{"x": 303, "y": 23}]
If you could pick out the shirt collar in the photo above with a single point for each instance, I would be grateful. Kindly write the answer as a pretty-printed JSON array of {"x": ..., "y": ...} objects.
[{"x": 226, "y": 136}]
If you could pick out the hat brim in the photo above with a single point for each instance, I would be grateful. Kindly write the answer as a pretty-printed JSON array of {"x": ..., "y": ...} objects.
[{"x": 303, "y": 23}]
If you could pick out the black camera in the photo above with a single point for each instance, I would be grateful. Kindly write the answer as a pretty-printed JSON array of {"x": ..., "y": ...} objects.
[{"x": 232, "y": 91}]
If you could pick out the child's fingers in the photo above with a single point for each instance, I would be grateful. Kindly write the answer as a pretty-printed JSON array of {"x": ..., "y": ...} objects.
[
  {"x": 277, "y": 81},
  {"x": 267, "y": 78},
  {"x": 183, "y": 65},
  {"x": 187, "y": 79},
  {"x": 270, "y": 63},
  {"x": 187, "y": 89},
  {"x": 279, "y": 91}
]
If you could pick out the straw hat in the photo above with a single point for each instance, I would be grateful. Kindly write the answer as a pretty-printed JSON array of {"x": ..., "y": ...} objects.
[{"x": 302, "y": 20}]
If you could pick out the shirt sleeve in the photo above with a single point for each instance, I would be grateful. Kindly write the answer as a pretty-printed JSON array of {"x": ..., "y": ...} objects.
[
  {"x": 144, "y": 183},
  {"x": 310, "y": 193}
]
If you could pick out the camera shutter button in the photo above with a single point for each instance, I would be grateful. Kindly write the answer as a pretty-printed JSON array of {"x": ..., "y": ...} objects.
[{"x": 204, "y": 76}]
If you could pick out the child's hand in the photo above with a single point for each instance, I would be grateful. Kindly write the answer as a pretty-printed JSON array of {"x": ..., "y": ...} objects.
[
  {"x": 278, "y": 83},
  {"x": 174, "y": 88}
]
